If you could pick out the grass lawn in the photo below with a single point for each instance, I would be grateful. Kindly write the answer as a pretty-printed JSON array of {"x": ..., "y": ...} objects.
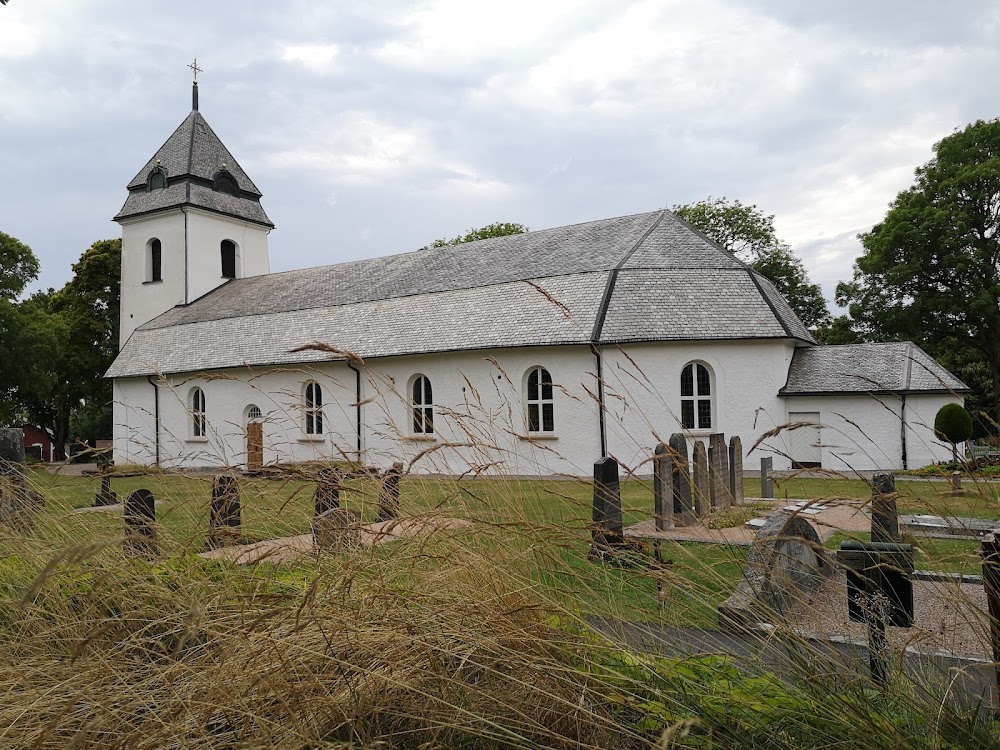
[{"x": 539, "y": 529}]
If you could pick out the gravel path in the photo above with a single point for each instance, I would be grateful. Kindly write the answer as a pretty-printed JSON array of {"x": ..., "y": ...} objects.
[{"x": 948, "y": 616}]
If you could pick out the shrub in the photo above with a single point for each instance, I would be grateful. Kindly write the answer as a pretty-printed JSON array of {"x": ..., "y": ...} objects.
[{"x": 953, "y": 423}]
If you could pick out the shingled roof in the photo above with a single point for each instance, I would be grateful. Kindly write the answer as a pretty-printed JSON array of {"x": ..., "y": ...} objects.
[
  {"x": 191, "y": 158},
  {"x": 645, "y": 277},
  {"x": 894, "y": 367}
]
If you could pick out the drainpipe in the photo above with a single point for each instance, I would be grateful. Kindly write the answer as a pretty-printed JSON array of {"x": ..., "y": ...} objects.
[
  {"x": 600, "y": 399},
  {"x": 357, "y": 403},
  {"x": 902, "y": 428},
  {"x": 156, "y": 417}
]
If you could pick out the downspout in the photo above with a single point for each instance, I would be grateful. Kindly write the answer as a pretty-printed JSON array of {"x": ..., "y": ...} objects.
[
  {"x": 600, "y": 398},
  {"x": 902, "y": 428},
  {"x": 156, "y": 418},
  {"x": 357, "y": 403}
]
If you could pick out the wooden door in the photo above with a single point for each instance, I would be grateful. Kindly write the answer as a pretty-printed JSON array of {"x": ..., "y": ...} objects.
[
  {"x": 255, "y": 446},
  {"x": 804, "y": 445}
]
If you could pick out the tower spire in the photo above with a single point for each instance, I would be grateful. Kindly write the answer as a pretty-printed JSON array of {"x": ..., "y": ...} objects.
[{"x": 194, "y": 85}]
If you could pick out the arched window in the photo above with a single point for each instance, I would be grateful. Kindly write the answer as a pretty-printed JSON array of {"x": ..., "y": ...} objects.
[
  {"x": 157, "y": 179},
  {"x": 253, "y": 414},
  {"x": 540, "y": 402},
  {"x": 696, "y": 396},
  {"x": 313, "y": 403},
  {"x": 154, "y": 260},
  {"x": 423, "y": 405},
  {"x": 228, "y": 250},
  {"x": 197, "y": 407},
  {"x": 224, "y": 182}
]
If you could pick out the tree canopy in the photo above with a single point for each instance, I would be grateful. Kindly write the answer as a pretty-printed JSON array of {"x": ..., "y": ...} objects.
[
  {"x": 496, "y": 229},
  {"x": 18, "y": 266},
  {"x": 748, "y": 233},
  {"x": 930, "y": 270}
]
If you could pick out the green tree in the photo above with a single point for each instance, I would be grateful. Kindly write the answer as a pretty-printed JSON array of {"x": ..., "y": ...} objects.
[
  {"x": 930, "y": 270},
  {"x": 79, "y": 325},
  {"x": 18, "y": 266},
  {"x": 954, "y": 424},
  {"x": 496, "y": 229},
  {"x": 748, "y": 234}
]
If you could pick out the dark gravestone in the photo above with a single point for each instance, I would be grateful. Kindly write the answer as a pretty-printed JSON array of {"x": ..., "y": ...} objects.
[
  {"x": 663, "y": 500},
  {"x": 606, "y": 531},
  {"x": 719, "y": 472},
  {"x": 680, "y": 480},
  {"x": 885, "y": 519},
  {"x": 736, "y": 469},
  {"x": 702, "y": 492},
  {"x": 327, "y": 491},
  {"x": 337, "y": 530},
  {"x": 766, "y": 478},
  {"x": 786, "y": 562},
  {"x": 18, "y": 503},
  {"x": 140, "y": 524},
  {"x": 388, "y": 496},
  {"x": 225, "y": 515},
  {"x": 106, "y": 496}
]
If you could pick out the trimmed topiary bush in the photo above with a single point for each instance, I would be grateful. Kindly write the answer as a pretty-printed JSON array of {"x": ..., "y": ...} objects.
[{"x": 954, "y": 424}]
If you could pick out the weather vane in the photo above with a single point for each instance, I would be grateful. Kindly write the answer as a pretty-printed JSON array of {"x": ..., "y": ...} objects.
[{"x": 194, "y": 67}]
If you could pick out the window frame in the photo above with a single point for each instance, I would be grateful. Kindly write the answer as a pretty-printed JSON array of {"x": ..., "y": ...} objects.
[
  {"x": 154, "y": 260},
  {"x": 198, "y": 405},
  {"x": 701, "y": 396},
  {"x": 421, "y": 397},
  {"x": 544, "y": 406},
  {"x": 231, "y": 246},
  {"x": 312, "y": 409},
  {"x": 156, "y": 175}
]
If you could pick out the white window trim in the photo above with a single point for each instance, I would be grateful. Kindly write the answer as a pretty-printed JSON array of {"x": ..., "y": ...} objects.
[
  {"x": 539, "y": 434},
  {"x": 308, "y": 411},
  {"x": 413, "y": 433},
  {"x": 696, "y": 397}
]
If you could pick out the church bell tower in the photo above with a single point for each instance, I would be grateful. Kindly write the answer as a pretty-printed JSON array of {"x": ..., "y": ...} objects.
[{"x": 192, "y": 222}]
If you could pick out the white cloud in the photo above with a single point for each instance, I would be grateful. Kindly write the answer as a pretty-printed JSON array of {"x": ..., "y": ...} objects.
[{"x": 319, "y": 58}]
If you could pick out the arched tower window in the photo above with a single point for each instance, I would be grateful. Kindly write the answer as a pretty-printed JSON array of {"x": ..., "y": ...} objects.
[
  {"x": 422, "y": 405},
  {"x": 696, "y": 396},
  {"x": 157, "y": 179},
  {"x": 228, "y": 250},
  {"x": 154, "y": 260},
  {"x": 540, "y": 402},
  {"x": 197, "y": 407},
  {"x": 224, "y": 182},
  {"x": 313, "y": 408}
]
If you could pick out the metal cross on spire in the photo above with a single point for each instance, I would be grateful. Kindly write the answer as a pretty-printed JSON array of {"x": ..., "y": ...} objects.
[{"x": 194, "y": 86}]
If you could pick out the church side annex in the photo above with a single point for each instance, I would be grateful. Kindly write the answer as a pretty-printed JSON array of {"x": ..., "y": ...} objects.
[{"x": 533, "y": 354}]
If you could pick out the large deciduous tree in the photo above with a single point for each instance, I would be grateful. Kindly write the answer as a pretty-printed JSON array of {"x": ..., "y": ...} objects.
[
  {"x": 931, "y": 269},
  {"x": 496, "y": 229},
  {"x": 748, "y": 234}
]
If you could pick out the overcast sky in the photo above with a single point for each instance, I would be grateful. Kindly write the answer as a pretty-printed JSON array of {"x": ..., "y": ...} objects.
[{"x": 376, "y": 127}]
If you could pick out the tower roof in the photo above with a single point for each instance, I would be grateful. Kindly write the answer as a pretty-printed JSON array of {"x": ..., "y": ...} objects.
[{"x": 193, "y": 160}]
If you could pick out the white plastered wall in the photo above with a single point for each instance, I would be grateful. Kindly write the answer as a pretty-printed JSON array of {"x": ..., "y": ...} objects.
[
  {"x": 643, "y": 396},
  {"x": 864, "y": 432},
  {"x": 143, "y": 300}
]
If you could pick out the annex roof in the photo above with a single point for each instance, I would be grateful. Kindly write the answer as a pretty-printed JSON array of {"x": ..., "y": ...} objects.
[
  {"x": 645, "y": 277},
  {"x": 191, "y": 158},
  {"x": 894, "y": 367}
]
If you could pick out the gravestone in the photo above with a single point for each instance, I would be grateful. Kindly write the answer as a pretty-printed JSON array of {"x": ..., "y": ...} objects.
[
  {"x": 663, "y": 500},
  {"x": 736, "y": 469},
  {"x": 766, "y": 479},
  {"x": 388, "y": 496},
  {"x": 680, "y": 480},
  {"x": 337, "y": 530},
  {"x": 719, "y": 472},
  {"x": 327, "y": 495},
  {"x": 106, "y": 496},
  {"x": 885, "y": 519},
  {"x": 18, "y": 503},
  {"x": 225, "y": 516},
  {"x": 606, "y": 530},
  {"x": 140, "y": 524},
  {"x": 786, "y": 562},
  {"x": 702, "y": 492}
]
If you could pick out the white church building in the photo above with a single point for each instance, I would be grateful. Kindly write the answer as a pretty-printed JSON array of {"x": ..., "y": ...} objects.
[{"x": 532, "y": 354}]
